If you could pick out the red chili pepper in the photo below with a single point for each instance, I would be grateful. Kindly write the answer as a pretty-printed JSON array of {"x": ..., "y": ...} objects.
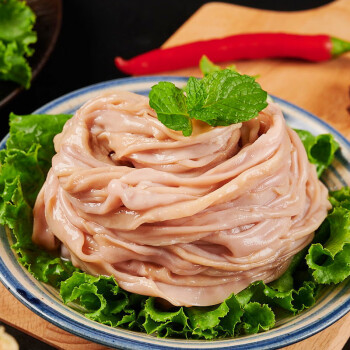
[{"x": 243, "y": 46}]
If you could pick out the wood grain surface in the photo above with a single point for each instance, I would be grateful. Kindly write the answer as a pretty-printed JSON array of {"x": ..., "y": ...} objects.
[{"x": 321, "y": 88}]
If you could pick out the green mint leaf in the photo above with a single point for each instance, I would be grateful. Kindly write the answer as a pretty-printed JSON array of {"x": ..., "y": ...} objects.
[
  {"x": 170, "y": 104},
  {"x": 195, "y": 93},
  {"x": 221, "y": 98},
  {"x": 229, "y": 98},
  {"x": 206, "y": 66}
]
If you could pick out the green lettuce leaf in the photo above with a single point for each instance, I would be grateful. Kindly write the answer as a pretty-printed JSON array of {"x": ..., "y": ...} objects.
[
  {"x": 340, "y": 198},
  {"x": 257, "y": 318},
  {"x": 165, "y": 323},
  {"x": 39, "y": 129},
  {"x": 13, "y": 65},
  {"x": 16, "y": 24},
  {"x": 329, "y": 258},
  {"x": 205, "y": 320},
  {"x": 230, "y": 318},
  {"x": 16, "y": 214},
  {"x": 23, "y": 167},
  {"x": 16, "y": 36},
  {"x": 320, "y": 149},
  {"x": 291, "y": 292},
  {"x": 100, "y": 297}
]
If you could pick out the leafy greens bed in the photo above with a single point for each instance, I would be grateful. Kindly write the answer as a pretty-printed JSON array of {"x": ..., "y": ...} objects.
[
  {"x": 16, "y": 36},
  {"x": 23, "y": 168}
]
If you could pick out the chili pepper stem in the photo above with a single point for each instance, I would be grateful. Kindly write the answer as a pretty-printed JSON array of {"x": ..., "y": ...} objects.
[{"x": 339, "y": 46}]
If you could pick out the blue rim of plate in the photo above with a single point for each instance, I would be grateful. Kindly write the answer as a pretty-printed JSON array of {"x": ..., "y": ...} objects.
[{"x": 331, "y": 306}]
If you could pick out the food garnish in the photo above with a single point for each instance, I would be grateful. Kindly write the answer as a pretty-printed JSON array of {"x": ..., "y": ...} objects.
[
  {"x": 314, "y": 48},
  {"x": 221, "y": 98}
]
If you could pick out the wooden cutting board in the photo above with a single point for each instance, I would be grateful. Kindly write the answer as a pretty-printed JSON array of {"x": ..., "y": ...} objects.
[{"x": 321, "y": 88}]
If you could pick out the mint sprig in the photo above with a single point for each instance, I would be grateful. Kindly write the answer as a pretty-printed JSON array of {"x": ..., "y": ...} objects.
[
  {"x": 221, "y": 98},
  {"x": 170, "y": 104},
  {"x": 206, "y": 66}
]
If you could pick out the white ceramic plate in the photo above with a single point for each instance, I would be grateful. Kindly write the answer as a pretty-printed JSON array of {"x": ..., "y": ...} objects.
[{"x": 45, "y": 301}]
